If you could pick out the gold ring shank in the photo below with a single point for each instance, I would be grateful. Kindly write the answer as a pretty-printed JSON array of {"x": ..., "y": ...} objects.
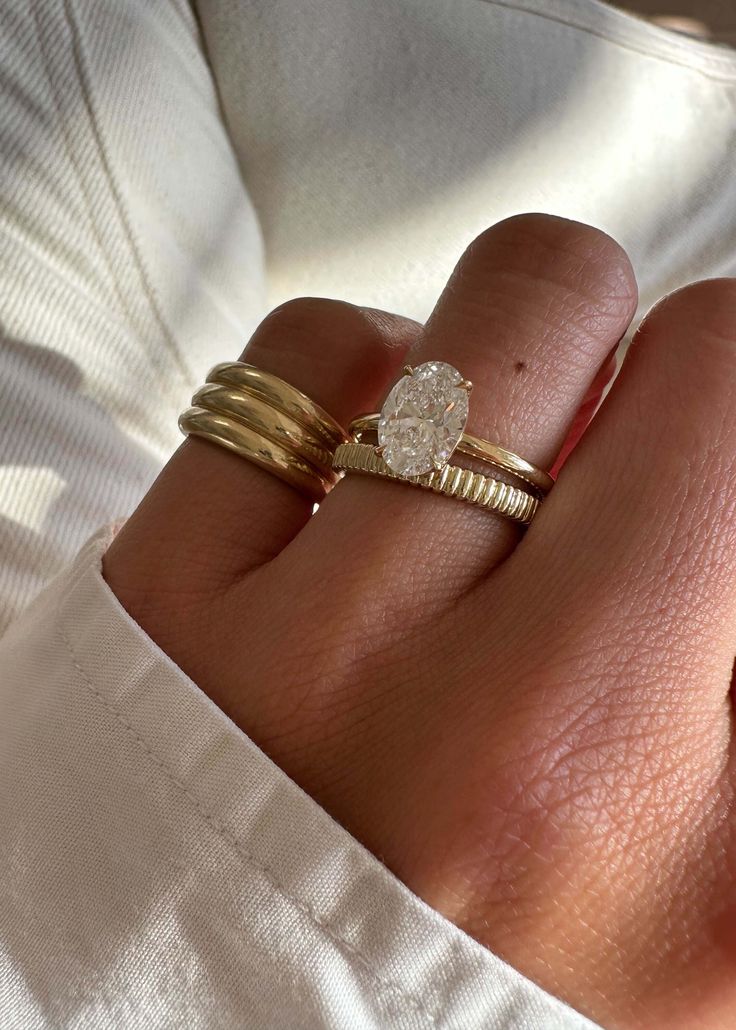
[
  {"x": 282, "y": 396},
  {"x": 267, "y": 454},
  {"x": 259, "y": 416},
  {"x": 451, "y": 481},
  {"x": 474, "y": 447}
]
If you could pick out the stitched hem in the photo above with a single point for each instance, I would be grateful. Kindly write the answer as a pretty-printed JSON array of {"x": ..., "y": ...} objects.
[
  {"x": 148, "y": 289},
  {"x": 712, "y": 61},
  {"x": 238, "y": 792},
  {"x": 393, "y": 988}
]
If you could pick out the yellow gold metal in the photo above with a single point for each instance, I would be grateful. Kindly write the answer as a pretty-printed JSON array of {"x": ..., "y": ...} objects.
[
  {"x": 258, "y": 415},
  {"x": 451, "y": 481},
  {"x": 408, "y": 370},
  {"x": 466, "y": 385},
  {"x": 474, "y": 447},
  {"x": 281, "y": 396},
  {"x": 250, "y": 444}
]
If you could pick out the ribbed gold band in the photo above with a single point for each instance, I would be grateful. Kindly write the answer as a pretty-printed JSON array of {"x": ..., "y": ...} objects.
[{"x": 451, "y": 481}]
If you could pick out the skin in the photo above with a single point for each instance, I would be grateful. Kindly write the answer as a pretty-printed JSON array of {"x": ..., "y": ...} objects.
[{"x": 533, "y": 731}]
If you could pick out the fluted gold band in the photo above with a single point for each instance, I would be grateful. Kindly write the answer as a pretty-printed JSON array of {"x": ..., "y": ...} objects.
[
  {"x": 474, "y": 447},
  {"x": 451, "y": 481}
]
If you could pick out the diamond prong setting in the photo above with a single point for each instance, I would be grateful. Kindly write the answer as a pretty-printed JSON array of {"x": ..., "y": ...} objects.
[{"x": 423, "y": 419}]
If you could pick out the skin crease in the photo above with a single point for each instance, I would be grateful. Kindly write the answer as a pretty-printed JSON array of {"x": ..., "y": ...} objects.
[{"x": 532, "y": 730}]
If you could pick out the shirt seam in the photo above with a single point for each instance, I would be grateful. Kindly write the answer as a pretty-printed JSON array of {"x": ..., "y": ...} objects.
[
  {"x": 727, "y": 76},
  {"x": 149, "y": 291},
  {"x": 393, "y": 988},
  {"x": 72, "y": 156}
]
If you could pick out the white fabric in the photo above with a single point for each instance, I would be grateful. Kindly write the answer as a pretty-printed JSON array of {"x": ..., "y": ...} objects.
[
  {"x": 155, "y": 868},
  {"x": 159, "y": 871},
  {"x": 379, "y": 138},
  {"x": 130, "y": 261},
  {"x": 375, "y": 139}
]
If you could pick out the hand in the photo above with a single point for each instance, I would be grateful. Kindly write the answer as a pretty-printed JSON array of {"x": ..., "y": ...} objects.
[{"x": 534, "y": 732}]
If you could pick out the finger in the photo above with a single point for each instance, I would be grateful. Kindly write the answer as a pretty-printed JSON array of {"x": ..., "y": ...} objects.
[
  {"x": 585, "y": 412},
  {"x": 623, "y": 595},
  {"x": 644, "y": 514},
  {"x": 219, "y": 515},
  {"x": 532, "y": 310}
]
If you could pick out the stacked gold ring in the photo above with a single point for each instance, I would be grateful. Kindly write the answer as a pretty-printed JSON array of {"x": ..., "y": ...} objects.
[
  {"x": 421, "y": 425},
  {"x": 266, "y": 420}
]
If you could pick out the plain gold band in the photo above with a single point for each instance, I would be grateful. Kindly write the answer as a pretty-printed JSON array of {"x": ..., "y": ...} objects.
[
  {"x": 451, "y": 481},
  {"x": 267, "y": 454},
  {"x": 282, "y": 396},
  {"x": 269, "y": 422},
  {"x": 474, "y": 447},
  {"x": 258, "y": 415}
]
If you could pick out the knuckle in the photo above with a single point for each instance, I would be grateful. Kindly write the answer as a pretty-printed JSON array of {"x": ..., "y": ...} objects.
[
  {"x": 704, "y": 310},
  {"x": 305, "y": 314},
  {"x": 299, "y": 322},
  {"x": 556, "y": 233},
  {"x": 690, "y": 337},
  {"x": 313, "y": 341},
  {"x": 307, "y": 328},
  {"x": 577, "y": 260}
]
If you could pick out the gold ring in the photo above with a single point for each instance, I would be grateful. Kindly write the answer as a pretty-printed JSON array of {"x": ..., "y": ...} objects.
[
  {"x": 474, "y": 447},
  {"x": 259, "y": 416},
  {"x": 265, "y": 453},
  {"x": 266, "y": 420},
  {"x": 422, "y": 423},
  {"x": 451, "y": 481},
  {"x": 282, "y": 396}
]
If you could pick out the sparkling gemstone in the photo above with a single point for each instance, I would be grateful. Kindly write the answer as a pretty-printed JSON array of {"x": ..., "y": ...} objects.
[{"x": 423, "y": 419}]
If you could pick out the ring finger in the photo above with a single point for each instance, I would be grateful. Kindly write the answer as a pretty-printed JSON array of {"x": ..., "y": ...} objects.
[{"x": 530, "y": 314}]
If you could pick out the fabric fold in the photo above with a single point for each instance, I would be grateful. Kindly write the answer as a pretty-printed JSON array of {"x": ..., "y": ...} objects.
[{"x": 157, "y": 868}]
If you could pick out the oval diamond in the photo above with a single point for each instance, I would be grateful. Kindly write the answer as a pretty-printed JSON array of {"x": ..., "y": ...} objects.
[{"x": 423, "y": 419}]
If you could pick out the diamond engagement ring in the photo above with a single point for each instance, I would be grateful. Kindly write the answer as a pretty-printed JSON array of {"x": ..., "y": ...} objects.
[{"x": 421, "y": 425}]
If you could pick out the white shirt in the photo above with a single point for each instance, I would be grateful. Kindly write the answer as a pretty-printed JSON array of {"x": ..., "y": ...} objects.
[
  {"x": 159, "y": 871},
  {"x": 155, "y": 868}
]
